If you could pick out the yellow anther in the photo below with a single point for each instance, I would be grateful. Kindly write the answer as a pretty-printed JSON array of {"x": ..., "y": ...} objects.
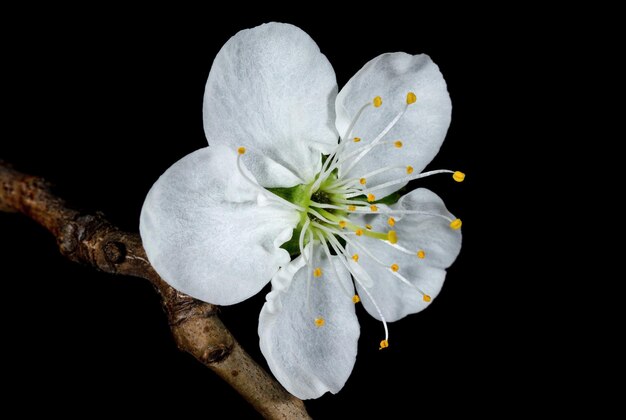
[
  {"x": 391, "y": 221},
  {"x": 362, "y": 181},
  {"x": 427, "y": 298},
  {"x": 410, "y": 98},
  {"x": 355, "y": 257},
  {"x": 456, "y": 224},
  {"x": 392, "y": 236},
  {"x": 368, "y": 227},
  {"x": 421, "y": 254},
  {"x": 356, "y": 139},
  {"x": 319, "y": 322},
  {"x": 384, "y": 344},
  {"x": 342, "y": 224},
  {"x": 317, "y": 272},
  {"x": 359, "y": 232},
  {"x": 398, "y": 144},
  {"x": 356, "y": 299},
  {"x": 395, "y": 267},
  {"x": 373, "y": 208},
  {"x": 409, "y": 169},
  {"x": 458, "y": 176},
  {"x": 378, "y": 101},
  {"x": 241, "y": 150},
  {"x": 371, "y": 197}
]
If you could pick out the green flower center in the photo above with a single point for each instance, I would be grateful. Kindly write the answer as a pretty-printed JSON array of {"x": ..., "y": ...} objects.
[{"x": 326, "y": 211}]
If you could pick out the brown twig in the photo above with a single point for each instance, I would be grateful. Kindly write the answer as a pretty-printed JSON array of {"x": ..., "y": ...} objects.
[{"x": 91, "y": 239}]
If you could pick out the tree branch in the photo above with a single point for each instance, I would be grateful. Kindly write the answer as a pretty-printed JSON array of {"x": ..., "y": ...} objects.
[{"x": 90, "y": 239}]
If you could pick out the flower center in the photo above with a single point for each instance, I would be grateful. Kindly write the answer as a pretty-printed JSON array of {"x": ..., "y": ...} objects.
[{"x": 330, "y": 206}]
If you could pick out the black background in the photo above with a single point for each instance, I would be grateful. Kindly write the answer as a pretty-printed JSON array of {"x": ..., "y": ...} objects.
[{"x": 101, "y": 102}]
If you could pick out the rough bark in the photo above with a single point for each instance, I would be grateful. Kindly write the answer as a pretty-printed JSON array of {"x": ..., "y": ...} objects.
[{"x": 90, "y": 239}]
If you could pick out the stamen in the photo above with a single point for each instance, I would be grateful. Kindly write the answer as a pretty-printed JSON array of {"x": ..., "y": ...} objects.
[
  {"x": 338, "y": 160},
  {"x": 342, "y": 224},
  {"x": 337, "y": 186},
  {"x": 348, "y": 132},
  {"x": 339, "y": 249},
  {"x": 421, "y": 254},
  {"x": 371, "y": 197},
  {"x": 335, "y": 244},
  {"x": 362, "y": 181},
  {"x": 423, "y": 213},
  {"x": 409, "y": 169},
  {"x": 410, "y": 98},
  {"x": 358, "y": 203},
  {"x": 319, "y": 322},
  {"x": 317, "y": 272},
  {"x": 377, "y": 139},
  {"x": 378, "y": 101},
  {"x": 311, "y": 242},
  {"x": 392, "y": 236},
  {"x": 403, "y": 180},
  {"x": 319, "y": 216},
  {"x": 309, "y": 278},
  {"x": 270, "y": 196},
  {"x": 456, "y": 224},
  {"x": 305, "y": 226},
  {"x": 325, "y": 206},
  {"x": 408, "y": 283},
  {"x": 402, "y": 249},
  {"x": 332, "y": 262},
  {"x": 332, "y": 159},
  {"x": 394, "y": 269},
  {"x": 330, "y": 219},
  {"x": 384, "y": 344},
  {"x": 397, "y": 144},
  {"x": 362, "y": 210},
  {"x": 367, "y": 251},
  {"x": 356, "y": 299},
  {"x": 458, "y": 176},
  {"x": 323, "y": 175},
  {"x": 355, "y": 258},
  {"x": 391, "y": 221},
  {"x": 344, "y": 235},
  {"x": 373, "y": 208}
]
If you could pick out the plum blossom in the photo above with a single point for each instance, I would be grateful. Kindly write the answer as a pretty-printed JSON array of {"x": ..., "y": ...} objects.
[{"x": 299, "y": 186}]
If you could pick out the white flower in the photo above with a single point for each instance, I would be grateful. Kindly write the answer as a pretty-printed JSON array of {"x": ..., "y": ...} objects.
[{"x": 217, "y": 224}]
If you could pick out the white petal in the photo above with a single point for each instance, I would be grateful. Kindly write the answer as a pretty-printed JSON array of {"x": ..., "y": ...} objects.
[
  {"x": 272, "y": 91},
  {"x": 309, "y": 360},
  {"x": 205, "y": 232},
  {"x": 431, "y": 234},
  {"x": 422, "y": 129}
]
